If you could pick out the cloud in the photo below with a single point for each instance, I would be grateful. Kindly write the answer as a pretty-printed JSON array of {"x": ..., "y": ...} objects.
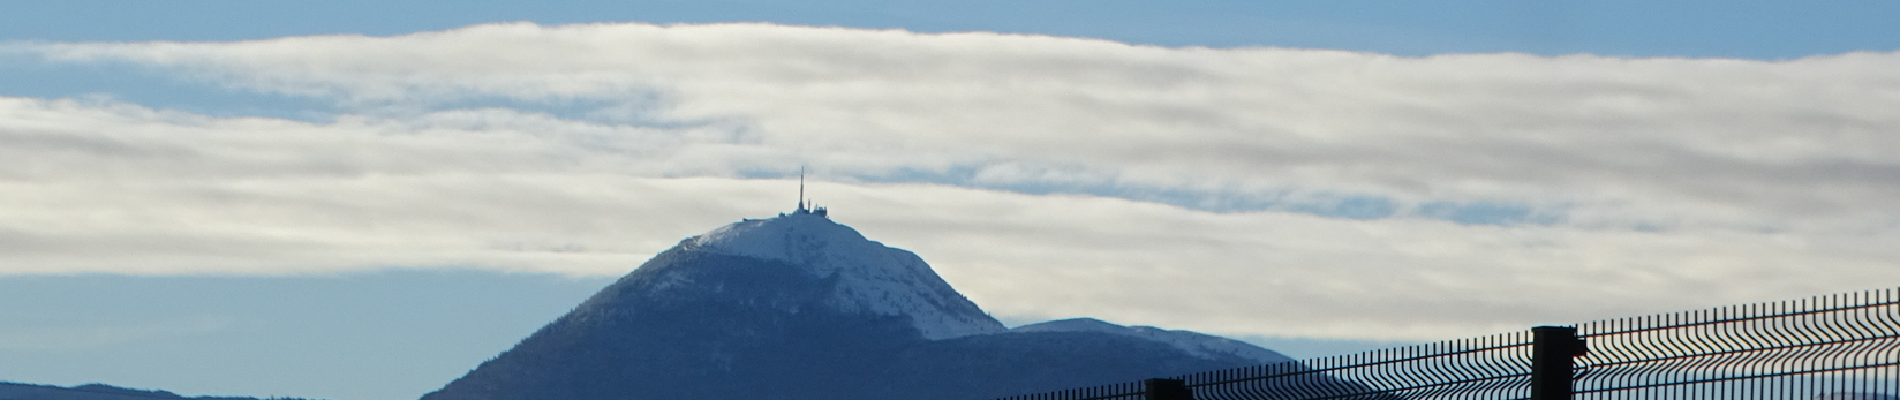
[
  {"x": 1031, "y": 171},
  {"x": 121, "y": 189},
  {"x": 1617, "y": 142},
  {"x": 1289, "y": 274},
  {"x": 69, "y": 338}
]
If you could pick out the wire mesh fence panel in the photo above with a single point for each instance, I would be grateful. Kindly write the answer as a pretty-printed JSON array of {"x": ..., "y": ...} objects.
[
  {"x": 1836, "y": 347},
  {"x": 1121, "y": 391},
  {"x": 1491, "y": 367},
  {"x": 1486, "y": 368}
]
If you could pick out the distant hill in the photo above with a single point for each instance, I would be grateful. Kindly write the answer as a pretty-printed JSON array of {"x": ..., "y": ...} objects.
[{"x": 22, "y": 391}]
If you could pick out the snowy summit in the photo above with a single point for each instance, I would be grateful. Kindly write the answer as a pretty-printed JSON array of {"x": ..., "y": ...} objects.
[{"x": 872, "y": 277}]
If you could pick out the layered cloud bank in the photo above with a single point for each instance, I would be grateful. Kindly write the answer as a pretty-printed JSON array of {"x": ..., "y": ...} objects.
[{"x": 1261, "y": 191}]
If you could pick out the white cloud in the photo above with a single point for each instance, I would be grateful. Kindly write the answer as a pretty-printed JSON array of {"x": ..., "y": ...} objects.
[
  {"x": 1671, "y": 183},
  {"x": 68, "y": 338},
  {"x": 1600, "y": 140},
  {"x": 1288, "y": 274}
]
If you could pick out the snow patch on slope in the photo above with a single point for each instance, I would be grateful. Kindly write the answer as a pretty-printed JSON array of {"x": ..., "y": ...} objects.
[
  {"x": 872, "y": 277},
  {"x": 1197, "y": 344}
]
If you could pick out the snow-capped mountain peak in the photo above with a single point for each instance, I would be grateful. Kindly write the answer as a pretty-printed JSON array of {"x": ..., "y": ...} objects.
[
  {"x": 784, "y": 308},
  {"x": 872, "y": 277}
]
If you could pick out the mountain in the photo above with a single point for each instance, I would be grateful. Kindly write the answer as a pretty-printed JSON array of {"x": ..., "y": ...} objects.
[
  {"x": 22, "y": 391},
  {"x": 801, "y": 307},
  {"x": 1197, "y": 344}
]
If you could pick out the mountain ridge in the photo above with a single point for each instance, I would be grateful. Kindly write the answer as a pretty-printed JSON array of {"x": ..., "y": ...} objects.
[
  {"x": 1195, "y": 343},
  {"x": 96, "y": 391}
]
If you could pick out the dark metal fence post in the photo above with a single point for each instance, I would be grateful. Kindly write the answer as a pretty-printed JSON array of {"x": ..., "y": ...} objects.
[
  {"x": 1167, "y": 389},
  {"x": 1553, "y": 358}
]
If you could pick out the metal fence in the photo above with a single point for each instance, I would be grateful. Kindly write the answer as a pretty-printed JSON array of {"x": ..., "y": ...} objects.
[{"x": 1838, "y": 347}]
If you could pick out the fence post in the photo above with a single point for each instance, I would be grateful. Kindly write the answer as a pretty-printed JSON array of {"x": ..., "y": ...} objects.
[
  {"x": 1554, "y": 350},
  {"x": 1167, "y": 389}
]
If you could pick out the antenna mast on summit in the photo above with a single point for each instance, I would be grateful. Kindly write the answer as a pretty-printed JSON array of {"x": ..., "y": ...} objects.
[{"x": 804, "y": 205}]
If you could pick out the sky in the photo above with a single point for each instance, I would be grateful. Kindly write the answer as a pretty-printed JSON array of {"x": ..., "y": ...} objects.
[{"x": 362, "y": 200}]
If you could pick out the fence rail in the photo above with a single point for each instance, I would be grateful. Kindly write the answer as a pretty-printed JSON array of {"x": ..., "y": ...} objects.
[{"x": 1836, "y": 347}]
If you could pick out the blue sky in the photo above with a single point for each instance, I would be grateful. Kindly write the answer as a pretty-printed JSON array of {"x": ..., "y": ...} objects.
[
  {"x": 195, "y": 188},
  {"x": 1744, "y": 29}
]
